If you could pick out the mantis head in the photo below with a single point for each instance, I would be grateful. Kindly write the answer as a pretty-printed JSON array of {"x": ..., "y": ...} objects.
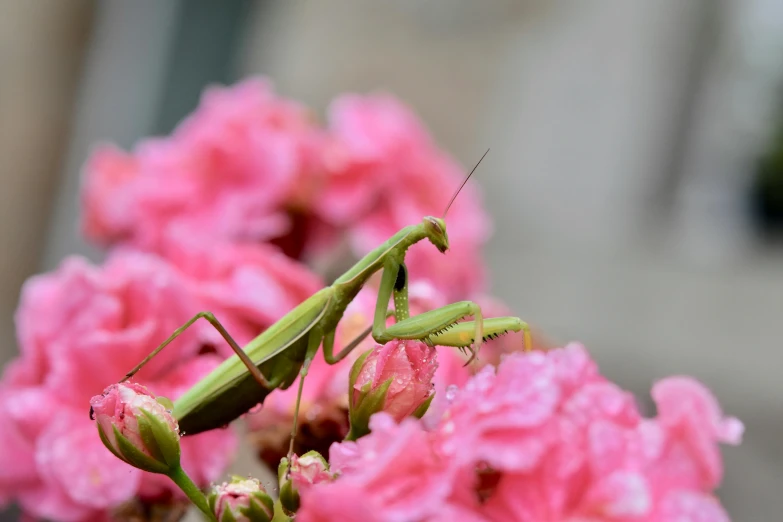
[{"x": 435, "y": 229}]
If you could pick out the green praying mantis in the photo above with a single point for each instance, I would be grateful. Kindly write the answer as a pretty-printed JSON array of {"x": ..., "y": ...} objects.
[{"x": 275, "y": 358}]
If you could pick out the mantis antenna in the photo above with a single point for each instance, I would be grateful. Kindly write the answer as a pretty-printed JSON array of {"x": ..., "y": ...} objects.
[{"x": 463, "y": 184}]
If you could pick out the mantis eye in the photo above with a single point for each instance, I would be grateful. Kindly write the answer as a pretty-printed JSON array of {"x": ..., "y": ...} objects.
[{"x": 433, "y": 223}]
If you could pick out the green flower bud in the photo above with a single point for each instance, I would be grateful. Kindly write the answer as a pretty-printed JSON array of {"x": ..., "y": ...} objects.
[
  {"x": 137, "y": 428},
  {"x": 241, "y": 500}
]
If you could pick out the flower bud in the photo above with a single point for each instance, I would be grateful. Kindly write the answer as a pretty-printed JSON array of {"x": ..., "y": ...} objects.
[
  {"x": 137, "y": 428},
  {"x": 302, "y": 472},
  {"x": 311, "y": 468},
  {"x": 241, "y": 500},
  {"x": 395, "y": 378}
]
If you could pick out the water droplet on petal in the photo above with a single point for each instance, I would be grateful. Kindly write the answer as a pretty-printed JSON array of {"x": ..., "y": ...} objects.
[{"x": 451, "y": 392}]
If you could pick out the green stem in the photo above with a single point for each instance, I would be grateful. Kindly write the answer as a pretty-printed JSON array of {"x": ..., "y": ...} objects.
[
  {"x": 355, "y": 432},
  {"x": 280, "y": 515},
  {"x": 195, "y": 495}
]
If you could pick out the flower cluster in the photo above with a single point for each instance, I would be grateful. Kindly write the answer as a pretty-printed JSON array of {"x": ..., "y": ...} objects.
[
  {"x": 80, "y": 328},
  {"x": 227, "y": 214},
  {"x": 542, "y": 437},
  {"x": 251, "y": 166}
]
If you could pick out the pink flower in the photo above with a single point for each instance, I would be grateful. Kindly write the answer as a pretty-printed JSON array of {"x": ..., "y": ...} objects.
[
  {"x": 384, "y": 173},
  {"x": 347, "y": 503},
  {"x": 247, "y": 286},
  {"x": 404, "y": 368},
  {"x": 508, "y": 419},
  {"x": 397, "y": 469},
  {"x": 691, "y": 507},
  {"x": 54, "y": 464},
  {"x": 602, "y": 460},
  {"x": 99, "y": 322},
  {"x": 544, "y": 437},
  {"x": 692, "y": 419},
  {"x": 230, "y": 170}
]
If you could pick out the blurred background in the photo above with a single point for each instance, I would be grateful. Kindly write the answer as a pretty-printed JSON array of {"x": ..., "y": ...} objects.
[{"x": 635, "y": 178}]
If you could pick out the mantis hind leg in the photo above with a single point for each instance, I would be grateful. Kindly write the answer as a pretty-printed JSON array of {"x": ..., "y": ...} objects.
[{"x": 252, "y": 368}]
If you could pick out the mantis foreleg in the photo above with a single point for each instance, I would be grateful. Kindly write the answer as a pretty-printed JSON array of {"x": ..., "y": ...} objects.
[
  {"x": 420, "y": 327},
  {"x": 461, "y": 334},
  {"x": 332, "y": 358}
]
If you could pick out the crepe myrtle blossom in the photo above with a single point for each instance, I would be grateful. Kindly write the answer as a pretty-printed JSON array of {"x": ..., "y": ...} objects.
[
  {"x": 233, "y": 169},
  {"x": 396, "y": 473},
  {"x": 543, "y": 437},
  {"x": 248, "y": 165},
  {"x": 80, "y": 328},
  {"x": 247, "y": 286}
]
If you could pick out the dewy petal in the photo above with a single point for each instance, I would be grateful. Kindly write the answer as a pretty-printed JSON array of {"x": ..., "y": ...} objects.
[
  {"x": 344, "y": 456},
  {"x": 508, "y": 419},
  {"x": 100, "y": 321},
  {"x": 574, "y": 367},
  {"x": 690, "y": 506},
  {"x": 339, "y": 501},
  {"x": 620, "y": 495},
  {"x": 681, "y": 399},
  {"x": 397, "y": 468},
  {"x": 248, "y": 286},
  {"x": 242, "y": 157},
  {"x": 730, "y": 431},
  {"x": 16, "y": 447},
  {"x": 689, "y": 412},
  {"x": 520, "y": 498},
  {"x": 51, "y": 502},
  {"x": 70, "y": 454}
]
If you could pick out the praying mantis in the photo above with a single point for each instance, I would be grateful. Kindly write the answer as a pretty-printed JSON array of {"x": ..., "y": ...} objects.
[{"x": 276, "y": 357}]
